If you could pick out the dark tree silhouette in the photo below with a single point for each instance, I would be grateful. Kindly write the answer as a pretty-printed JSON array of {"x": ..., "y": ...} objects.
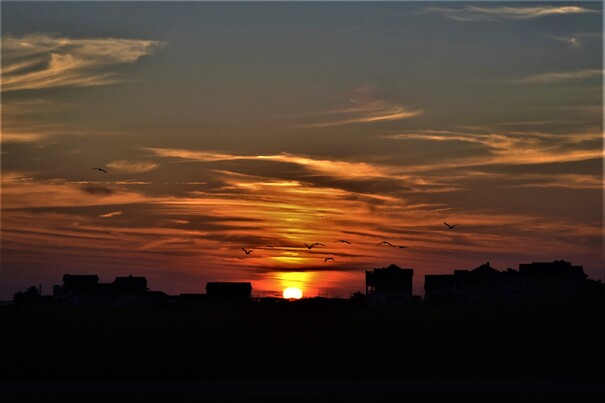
[
  {"x": 31, "y": 295},
  {"x": 358, "y": 298}
]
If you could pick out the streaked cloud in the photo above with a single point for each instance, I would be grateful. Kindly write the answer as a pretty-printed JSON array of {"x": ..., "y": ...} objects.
[
  {"x": 40, "y": 61},
  {"x": 561, "y": 76},
  {"x": 32, "y": 106},
  {"x": 325, "y": 166},
  {"x": 111, "y": 214},
  {"x": 572, "y": 41},
  {"x": 22, "y": 190},
  {"x": 132, "y": 166},
  {"x": 476, "y": 13},
  {"x": 513, "y": 147},
  {"x": 566, "y": 181},
  {"x": 17, "y": 137},
  {"x": 97, "y": 190},
  {"x": 17, "y": 130},
  {"x": 577, "y": 40},
  {"x": 363, "y": 107}
]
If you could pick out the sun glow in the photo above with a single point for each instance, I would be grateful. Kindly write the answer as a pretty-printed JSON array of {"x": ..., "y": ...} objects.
[{"x": 292, "y": 293}]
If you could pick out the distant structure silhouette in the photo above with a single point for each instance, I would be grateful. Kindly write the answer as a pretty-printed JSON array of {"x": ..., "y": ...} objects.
[
  {"x": 124, "y": 291},
  {"x": 538, "y": 282},
  {"x": 389, "y": 286},
  {"x": 247, "y": 251},
  {"x": 314, "y": 244},
  {"x": 557, "y": 282},
  {"x": 450, "y": 226},
  {"x": 100, "y": 169}
]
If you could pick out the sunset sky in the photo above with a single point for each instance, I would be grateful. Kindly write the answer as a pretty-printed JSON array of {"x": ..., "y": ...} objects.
[{"x": 265, "y": 126}]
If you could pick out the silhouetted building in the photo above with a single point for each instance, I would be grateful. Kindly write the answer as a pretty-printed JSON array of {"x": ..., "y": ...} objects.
[
  {"x": 229, "y": 292},
  {"x": 439, "y": 288},
  {"x": 192, "y": 299},
  {"x": 557, "y": 281},
  {"x": 79, "y": 281},
  {"x": 487, "y": 285},
  {"x": 86, "y": 290},
  {"x": 78, "y": 289},
  {"x": 483, "y": 285},
  {"x": 389, "y": 286},
  {"x": 130, "y": 283},
  {"x": 538, "y": 282}
]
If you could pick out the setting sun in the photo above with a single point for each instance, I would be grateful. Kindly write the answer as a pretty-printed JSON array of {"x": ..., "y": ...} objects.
[{"x": 292, "y": 293}]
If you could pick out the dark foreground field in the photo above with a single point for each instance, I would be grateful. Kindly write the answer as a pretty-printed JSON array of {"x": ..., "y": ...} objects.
[{"x": 312, "y": 352}]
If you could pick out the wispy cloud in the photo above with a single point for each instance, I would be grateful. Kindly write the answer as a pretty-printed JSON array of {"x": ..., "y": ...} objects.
[
  {"x": 560, "y": 76},
  {"x": 19, "y": 131},
  {"x": 45, "y": 61},
  {"x": 32, "y": 106},
  {"x": 111, "y": 214},
  {"x": 578, "y": 39},
  {"x": 572, "y": 41},
  {"x": 20, "y": 190},
  {"x": 513, "y": 147},
  {"x": 132, "y": 166},
  {"x": 475, "y": 13},
  {"x": 363, "y": 107},
  {"x": 20, "y": 137},
  {"x": 567, "y": 181},
  {"x": 324, "y": 166}
]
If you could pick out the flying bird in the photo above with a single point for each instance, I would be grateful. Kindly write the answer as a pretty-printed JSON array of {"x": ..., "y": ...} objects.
[
  {"x": 247, "y": 251},
  {"x": 450, "y": 226},
  {"x": 387, "y": 242},
  {"x": 313, "y": 244},
  {"x": 343, "y": 241},
  {"x": 391, "y": 245},
  {"x": 329, "y": 258},
  {"x": 100, "y": 169}
]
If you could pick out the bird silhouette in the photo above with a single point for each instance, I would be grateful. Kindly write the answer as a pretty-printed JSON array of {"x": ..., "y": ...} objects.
[
  {"x": 401, "y": 247},
  {"x": 343, "y": 241},
  {"x": 247, "y": 251},
  {"x": 329, "y": 258},
  {"x": 450, "y": 226},
  {"x": 313, "y": 244},
  {"x": 387, "y": 242},
  {"x": 100, "y": 169}
]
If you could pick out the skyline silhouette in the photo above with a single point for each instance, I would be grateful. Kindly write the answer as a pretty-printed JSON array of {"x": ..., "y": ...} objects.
[
  {"x": 127, "y": 335},
  {"x": 537, "y": 282}
]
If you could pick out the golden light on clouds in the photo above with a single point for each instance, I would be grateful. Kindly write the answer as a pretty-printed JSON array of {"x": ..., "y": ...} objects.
[{"x": 43, "y": 61}]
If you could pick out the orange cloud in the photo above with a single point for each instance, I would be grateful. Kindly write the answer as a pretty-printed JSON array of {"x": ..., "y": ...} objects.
[
  {"x": 363, "y": 107},
  {"x": 44, "y": 61},
  {"x": 132, "y": 166}
]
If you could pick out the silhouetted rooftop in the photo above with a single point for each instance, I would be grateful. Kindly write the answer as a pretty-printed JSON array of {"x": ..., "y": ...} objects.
[{"x": 80, "y": 279}]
